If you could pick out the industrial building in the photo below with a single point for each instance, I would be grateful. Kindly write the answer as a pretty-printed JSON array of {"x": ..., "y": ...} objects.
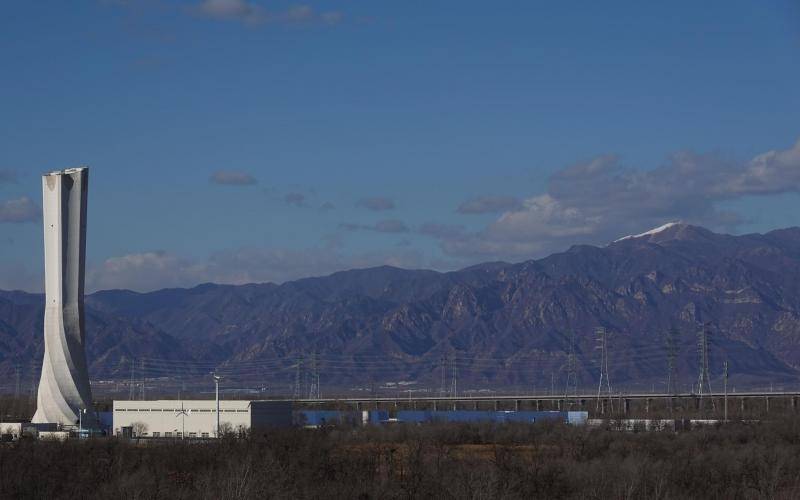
[{"x": 197, "y": 418}]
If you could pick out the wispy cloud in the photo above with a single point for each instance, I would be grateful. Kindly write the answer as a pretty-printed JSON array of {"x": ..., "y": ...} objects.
[
  {"x": 382, "y": 226},
  {"x": 251, "y": 13},
  {"x": 376, "y": 203},
  {"x": 599, "y": 200},
  {"x": 155, "y": 270},
  {"x": 232, "y": 178},
  {"x": 295, "y": 199},
  {"x": 19, "y": 211},
  {"x": 489, "y": 205}
]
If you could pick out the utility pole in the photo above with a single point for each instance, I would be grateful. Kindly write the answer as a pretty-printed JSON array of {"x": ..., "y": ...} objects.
[
  {"x": 671, "y": 345},
  {"x": 725, "y": 382},
  {"x": 217, "y": 378},
  {"x": 601, "y": 335},
  {"x": 703, "y": 379}
]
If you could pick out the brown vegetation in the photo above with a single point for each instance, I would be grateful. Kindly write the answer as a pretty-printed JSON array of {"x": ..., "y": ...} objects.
[{"x": 430, "y": 461}]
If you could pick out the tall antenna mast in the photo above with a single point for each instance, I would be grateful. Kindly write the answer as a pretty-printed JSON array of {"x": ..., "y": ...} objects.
[{"x": 601, "y": 335}]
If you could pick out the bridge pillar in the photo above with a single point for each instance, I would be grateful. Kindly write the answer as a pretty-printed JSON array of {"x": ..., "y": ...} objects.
[
  {"x": 475, "y": 405},
  {"x": 538, "y": 405},
  {"x": 766, "y": 403},
  {"x": 358, "y": 405},
  {"x": 560, "y": 404},
  {"x": 496, "y": 405},
  {"x": 602, "y": 407},
  {"x": 647, "y": 406},
  {"x": 794, "y": 403},
  {"x": 627, "y": 406},
  {"x": 435, "y": 405},
  {"x": 741, "y": 406},
  {"x": 516, "y": 405}
]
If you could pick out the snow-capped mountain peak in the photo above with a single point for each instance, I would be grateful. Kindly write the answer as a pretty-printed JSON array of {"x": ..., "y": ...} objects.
[{"x": 650, "y": 232}]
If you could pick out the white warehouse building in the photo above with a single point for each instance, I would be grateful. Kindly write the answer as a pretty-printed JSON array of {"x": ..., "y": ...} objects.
[{"x": 197, "y": 418}]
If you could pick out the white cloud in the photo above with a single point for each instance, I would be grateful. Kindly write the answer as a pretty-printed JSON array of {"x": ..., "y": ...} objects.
[
  {"x": 155, "y": 270},
  {"x": 239, "y": 10},
  {"x": 20, "y": 210},
  {"x": 252, "y": 13},
  {"x": 232, "y": 178},
  {"x": 599, "y": 200}
]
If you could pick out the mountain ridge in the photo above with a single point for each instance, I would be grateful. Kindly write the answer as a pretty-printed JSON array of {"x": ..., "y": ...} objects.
[{"x": 521, "y": 316}]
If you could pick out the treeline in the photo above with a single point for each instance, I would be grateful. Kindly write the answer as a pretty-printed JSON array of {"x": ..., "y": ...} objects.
[{"x": 545, "y": 460}]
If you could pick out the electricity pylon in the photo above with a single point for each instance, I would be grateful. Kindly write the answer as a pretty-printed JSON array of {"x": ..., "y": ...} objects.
[
  {"x": 601, "y": 335},
  {"x": 572, "y": 370},
  {"x": 454, "y": 381},
  {"x": 671, "y": 345},
  {"x": 443, "y": 387},
  {"x": 703, "y": 378},
  {"x": 298, "y": 379}
]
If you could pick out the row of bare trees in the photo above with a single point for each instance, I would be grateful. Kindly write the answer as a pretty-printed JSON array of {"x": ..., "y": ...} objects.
[{"x": 429, "y": 461}]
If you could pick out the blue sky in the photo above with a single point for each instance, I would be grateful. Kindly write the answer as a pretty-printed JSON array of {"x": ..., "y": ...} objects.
[{"x": 239, "y": 141}]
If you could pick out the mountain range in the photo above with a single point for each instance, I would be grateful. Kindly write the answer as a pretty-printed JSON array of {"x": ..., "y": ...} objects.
[{"x": 494, "y": 326}]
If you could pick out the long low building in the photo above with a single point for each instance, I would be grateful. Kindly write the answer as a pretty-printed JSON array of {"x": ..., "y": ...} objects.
[{"x": 197, "y": 418}]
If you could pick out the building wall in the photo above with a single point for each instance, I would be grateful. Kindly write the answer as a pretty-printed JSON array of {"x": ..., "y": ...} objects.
[{"x": 164, "y": 418}]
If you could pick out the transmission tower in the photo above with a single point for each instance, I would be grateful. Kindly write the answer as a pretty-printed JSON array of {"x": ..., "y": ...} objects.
[
  {"x": 313, "y": 390},
  {"x": 132, "y": 385},
  {"x": 298, "y": 379},
  {"x": 671, "y": 345},
  {"x": 572, "y": 370},
  {"x": 16, "y": 385},
  {"x": 725, "y": 382},
  {"x": 443, "y": 387},
  {"x": 454, "y": 382},
  {"x": 141, "y": 369},
  {"x": 703, "y": 378},
  {"x": 601, "y": 336},
  {"x": 15, "y": 405}
]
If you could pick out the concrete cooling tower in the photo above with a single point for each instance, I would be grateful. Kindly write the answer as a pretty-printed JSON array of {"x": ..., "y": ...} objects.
[{"x": 64, "y": 389}]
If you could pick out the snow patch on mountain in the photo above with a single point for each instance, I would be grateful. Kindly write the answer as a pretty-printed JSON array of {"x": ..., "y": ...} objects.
[{"x": 650, "y": 232}]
